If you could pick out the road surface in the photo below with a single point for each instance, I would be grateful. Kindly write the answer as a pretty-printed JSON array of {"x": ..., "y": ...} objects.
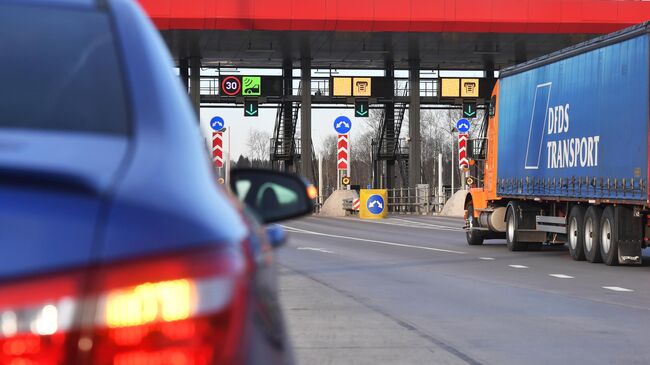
[{"x": 409, "y": 290}]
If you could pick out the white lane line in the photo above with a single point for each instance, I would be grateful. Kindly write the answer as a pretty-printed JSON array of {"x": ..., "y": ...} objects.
[
  {"x": 304, "y": 231},
  {"x": 315, "y": 249},
  {"x": 561, "y": 276},
  {"x": 394, "y": 222},
  {"x": 486, "y": 258},
  {"x": 519, "y": 266},
  {"x": 433, "y": 225},
  {"x": 617, "y": 288}
]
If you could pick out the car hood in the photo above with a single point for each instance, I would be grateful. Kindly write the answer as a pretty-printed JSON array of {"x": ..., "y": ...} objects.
[{"x": 51, "y": 190}]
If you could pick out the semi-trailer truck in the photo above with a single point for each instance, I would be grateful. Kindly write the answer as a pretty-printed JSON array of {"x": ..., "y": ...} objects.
[{"x": 564, "y": 157}]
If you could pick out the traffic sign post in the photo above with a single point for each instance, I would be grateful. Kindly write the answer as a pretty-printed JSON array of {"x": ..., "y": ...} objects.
[
  {"x": 463, "y": 161},
  {"x": 361, "y": 109},
  {"x": 230, "y": 85},
  {"x": 217, "y": 124},
  {"x": 469, "y": 109},
  {"x": 373, "y": 203},
  {"x": 342, "y": 125},
  {"x": 217, "y": 149},
  {"x": 251, "y": 85},
  {"x": 463, "y": 125},
  {"x": 251, "y": 108}
]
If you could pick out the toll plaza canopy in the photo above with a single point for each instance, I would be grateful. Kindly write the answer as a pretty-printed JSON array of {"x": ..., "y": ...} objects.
[{"x": 440, "y": 33}]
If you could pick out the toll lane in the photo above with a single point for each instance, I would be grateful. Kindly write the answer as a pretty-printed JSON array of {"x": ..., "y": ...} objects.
[{"x": 480, "y": 304}]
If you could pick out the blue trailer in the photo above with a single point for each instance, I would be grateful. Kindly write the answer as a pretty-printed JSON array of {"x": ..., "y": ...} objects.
[{"x": 567, "y": 152}]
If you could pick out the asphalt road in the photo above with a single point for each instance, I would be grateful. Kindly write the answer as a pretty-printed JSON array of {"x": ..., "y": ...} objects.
[{"x": 409, "y": 290}]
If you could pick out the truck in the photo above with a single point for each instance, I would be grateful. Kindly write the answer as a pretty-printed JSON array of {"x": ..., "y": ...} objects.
[{"x": 563, "y": 157}]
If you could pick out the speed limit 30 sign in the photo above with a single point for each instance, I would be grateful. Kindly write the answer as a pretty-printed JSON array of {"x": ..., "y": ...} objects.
[{"x": 231, "y": 86}]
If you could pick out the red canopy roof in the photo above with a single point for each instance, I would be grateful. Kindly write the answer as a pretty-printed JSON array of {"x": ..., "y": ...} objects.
[{"x": 486, "y": 16}]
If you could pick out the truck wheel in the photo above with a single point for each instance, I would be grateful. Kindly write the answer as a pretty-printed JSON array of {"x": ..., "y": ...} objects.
[
  {"x": 511, "y": 231},
  {"x": 608, "y": 238},
  {"x": 576, "y": 233},
  {"x": 592, "y": 234},
  {"x": 474, "y": 236}
]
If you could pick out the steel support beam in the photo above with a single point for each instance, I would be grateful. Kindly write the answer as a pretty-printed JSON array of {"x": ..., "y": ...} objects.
[
  {"x": 184, "y": 68},
  {"x": 389, "y": 110},
  {"x": 415, "y": 148},
  {"x": 305, "y": 117},
  {"x": 195, "y": 83},
  {"x": 287, "y": 113}
]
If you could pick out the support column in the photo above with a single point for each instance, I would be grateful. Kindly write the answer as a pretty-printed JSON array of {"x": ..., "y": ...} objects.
[
  {"x": 305, "y": 116},
  {"x": 287, "y": 134},
  {"x": 415, "y": 148},
  {"x": 184, "y": 68},
  {"x": 195, "y": 83},
  {"x": 391, "y": 139}
]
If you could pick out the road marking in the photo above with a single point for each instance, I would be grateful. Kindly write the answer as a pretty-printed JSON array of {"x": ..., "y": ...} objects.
[
  {"x": 410, "y": 224},
  {"x": 433, "y": 225},
  {"x": 519, "y": 266},
  {"x": 304, "y": 231},
  {"x": 617, "y": 288},
  {"x": 561, "y": 276},
  {"x": 315, "y": 249},
  {"x": 486, "y": 258}
]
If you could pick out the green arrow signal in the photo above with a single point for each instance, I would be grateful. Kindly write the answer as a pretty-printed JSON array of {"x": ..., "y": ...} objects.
[
  {"x": 251, "y": 110},
  {"x": 361, "y": 112},
  {"x": 469, "y": 111}
]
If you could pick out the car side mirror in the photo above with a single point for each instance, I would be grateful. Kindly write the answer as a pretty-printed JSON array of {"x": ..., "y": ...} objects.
[{"x": 273, "y": 195}]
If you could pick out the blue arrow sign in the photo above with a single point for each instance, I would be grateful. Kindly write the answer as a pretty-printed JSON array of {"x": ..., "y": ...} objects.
[
  {"x": 217, "y": 123},
  {"x": 375, "y": 204},
  {"x": 342, "y": 125},
  {"x": 463, "y": 125}
]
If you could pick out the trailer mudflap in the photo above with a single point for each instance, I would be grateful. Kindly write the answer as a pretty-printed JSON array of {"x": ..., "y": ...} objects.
[{"x": 629, "y": 229}]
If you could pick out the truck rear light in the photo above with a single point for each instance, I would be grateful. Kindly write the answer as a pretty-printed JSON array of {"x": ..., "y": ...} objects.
[
  {"x": 193, "y": 315},
  {"x": 188, "y": 309}
]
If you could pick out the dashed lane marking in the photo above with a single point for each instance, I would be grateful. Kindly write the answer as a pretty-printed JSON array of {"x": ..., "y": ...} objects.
[
  {"x": 486, "y": 258},
  {"x": 617, "y": 288},
  {"x": 315, "y": 249},
  {"x": 304, "y": 231},
  {"x": 561, "y": 276},
  {"x": 519, "y": 266}
]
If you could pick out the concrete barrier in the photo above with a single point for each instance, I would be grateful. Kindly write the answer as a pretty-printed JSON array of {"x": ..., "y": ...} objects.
[
  {"x": 455, "y": 206},
  {"x": 333, "y": 206}
]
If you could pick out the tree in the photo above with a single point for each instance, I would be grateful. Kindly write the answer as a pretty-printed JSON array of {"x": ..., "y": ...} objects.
[{"x": 258, "y": 142}]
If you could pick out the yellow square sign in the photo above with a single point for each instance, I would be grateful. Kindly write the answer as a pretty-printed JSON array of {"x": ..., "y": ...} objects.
[
  {"x": 469, "y": 88},
  {"x": 342, "y": 86},
  {"x": 362, "y": 86},
  {"x": 450, "y": 88}
]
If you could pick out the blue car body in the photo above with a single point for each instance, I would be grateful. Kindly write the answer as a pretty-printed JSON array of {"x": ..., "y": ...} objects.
[{"x": 73, "y": 198}]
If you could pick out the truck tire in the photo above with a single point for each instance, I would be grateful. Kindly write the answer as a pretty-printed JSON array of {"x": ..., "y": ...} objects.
[
  {"x": 608, "y": 238},
  {"x": 592, "y": 234},
  {"x": 474, "y": 236},
  {"x": 512, "y": 225},
  {"x": 576, "y": 233}
]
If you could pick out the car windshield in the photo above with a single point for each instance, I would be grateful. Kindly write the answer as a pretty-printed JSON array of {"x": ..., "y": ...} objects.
[{"x": 61, "y": 73}]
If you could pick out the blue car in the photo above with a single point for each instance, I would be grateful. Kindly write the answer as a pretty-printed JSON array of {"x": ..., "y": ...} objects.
[{"x": 118, "y": 247}]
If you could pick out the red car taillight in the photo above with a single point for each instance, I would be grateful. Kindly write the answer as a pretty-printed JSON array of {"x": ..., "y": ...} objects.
[{"x": 183, "y": 310}]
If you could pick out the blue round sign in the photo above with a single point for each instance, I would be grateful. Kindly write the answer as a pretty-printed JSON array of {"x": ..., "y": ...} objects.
[
  {"x": 217, "y": 123},
  {"x": 375, "y": 204},
  {"x": 342, "y": 124},
  {"x": 463, "y": 125}
]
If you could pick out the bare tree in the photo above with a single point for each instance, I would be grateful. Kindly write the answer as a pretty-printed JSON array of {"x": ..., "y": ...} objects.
[{"x": 258, "y": 144}]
